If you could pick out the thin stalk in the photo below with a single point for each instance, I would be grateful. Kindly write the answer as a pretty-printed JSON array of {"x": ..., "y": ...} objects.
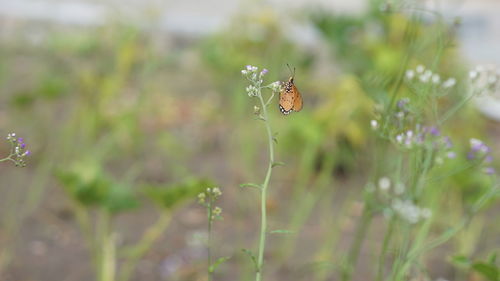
[
  {"x": 458, "y": 106},
  {"x": 263, "y": 191},
  {"x": 385, "y": 248},
  {"x": 137, "y": 251},
  {"x": 105, "y": 239},
  {"x": 209, "y": 242},
  {"x": 359, "y": 237}
]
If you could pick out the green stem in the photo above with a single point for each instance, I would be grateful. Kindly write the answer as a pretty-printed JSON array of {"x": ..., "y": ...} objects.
[
  {"x": 360, "y": 234},
  {"x": 385, "y": 248},
  {"x": 454, "y": 109},
  {"x": 263, "y": 192},
  {"x": 135, "y": 253},
  {"x": 105, "y": 240},
  {"x": 209, "y": 242},
  {"x": 8, "y": 158}
]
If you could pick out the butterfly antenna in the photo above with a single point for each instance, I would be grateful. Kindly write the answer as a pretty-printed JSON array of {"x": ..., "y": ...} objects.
[{"x": 290, "y": 69}]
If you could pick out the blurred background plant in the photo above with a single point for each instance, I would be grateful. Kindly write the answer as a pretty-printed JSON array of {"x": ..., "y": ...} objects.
[{"x": 117, "y": 112}]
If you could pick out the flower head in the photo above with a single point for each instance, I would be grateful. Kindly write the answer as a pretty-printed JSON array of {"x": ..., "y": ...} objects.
[{"x": 18, "y": 150}]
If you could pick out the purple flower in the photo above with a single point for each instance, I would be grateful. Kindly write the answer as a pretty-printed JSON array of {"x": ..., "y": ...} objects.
[
  {"x": 489, "y": 170},
  {"x": 27, "y": 153},
  {"x": 23, "y": 145},
  {"x": 488, "y": 159},
  {"x": 448, "y": 142},
  {"x": 264, "y": 71},
  {"x": 434, "y": 131},
  {"x": 20, "y": 140},
  {"x": 478, "y": 146},
  {"x": 471, "y": 155},
  {"x": 402, "y": 102},
  {"x": 451, "y": 155}
]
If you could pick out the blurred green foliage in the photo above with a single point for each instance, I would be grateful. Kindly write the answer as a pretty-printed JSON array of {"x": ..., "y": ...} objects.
[
  {"x": 90, "y": 186},
  {"x": 173, "y": 195},
  {"x": 149, "y": 112}
]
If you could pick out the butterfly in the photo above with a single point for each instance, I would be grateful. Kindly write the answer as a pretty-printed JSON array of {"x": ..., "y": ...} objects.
[{"x": 290, "y": 98}]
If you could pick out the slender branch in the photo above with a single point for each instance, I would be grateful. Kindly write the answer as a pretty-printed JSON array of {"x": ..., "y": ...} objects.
[{"x": 263, "y": 190}]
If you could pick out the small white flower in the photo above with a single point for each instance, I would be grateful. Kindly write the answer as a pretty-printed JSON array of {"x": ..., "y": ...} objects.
[
  {"x": 216, "y": 191},
  {"x": 473, "y": 74},
  {"x": 384, "y": 183},
  {"x": 449, "y": 83},
  {"x": 374, "y": 124},
  {"x": 420, "y": 69},
  {"x": 276, "y": 86},
  {"x": 410, "y": 74},
  {"x": 399, "y": 138},
  {"x": 424, "y": 78},
  {"x": 436, "y": 79}
]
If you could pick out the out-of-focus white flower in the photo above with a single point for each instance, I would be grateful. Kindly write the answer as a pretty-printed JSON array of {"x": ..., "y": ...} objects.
[
  {"x": 384, "y": 183},
  {"x": 449, "y": 83},
  {"x": 410, "y": 74},
  {"x": 410, "y": 212}
]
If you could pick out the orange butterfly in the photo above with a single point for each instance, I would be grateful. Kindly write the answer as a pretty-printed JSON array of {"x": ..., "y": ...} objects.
[{"x": 290, "y": 98}]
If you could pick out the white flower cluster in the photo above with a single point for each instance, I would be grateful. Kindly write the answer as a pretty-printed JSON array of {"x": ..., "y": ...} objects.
[
  {"x": 485, "y": 79},
  {"x": 391, "y": 195},
  {"x": 410, "y": 212},
  {"x": 208, "y": 198},
  {"x": 18, "y": 152},
  {"x": 276, "y": 86},
  {"x": 423, "y": 75},
  {"x": 11, "y": 137},
  {"x": 252, "y": 91},
  {"x": 256, "y": 79},
  {"x": 408, "y": 139}
]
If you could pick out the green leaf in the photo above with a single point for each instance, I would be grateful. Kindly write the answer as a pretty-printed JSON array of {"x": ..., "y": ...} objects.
[
  {"x": 275, "y": 140},
  {"x": 277, "y": 163},
  {"x": 492, "y": 259},
  {"x": 461, "y": 261},
  {"x": 282, "y": 231},
  {"x": 254, "y": 185},
  {"x": 121, "y": 198},
  {"x": 252, "y": 257},
  {"x": 216, "y": 264},
  {"x": 489, "y": 271}
]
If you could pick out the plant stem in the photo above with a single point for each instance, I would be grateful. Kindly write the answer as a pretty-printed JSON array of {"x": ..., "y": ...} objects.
[
  {"x": 385, "y": 247},
  {"x": 263, "y": 192},
  {"x": 137, "y": 251},
  {"x": 106, "y": 242},
  {"x": 353, "y": 255},
  {"x": 209, "y": 242}
]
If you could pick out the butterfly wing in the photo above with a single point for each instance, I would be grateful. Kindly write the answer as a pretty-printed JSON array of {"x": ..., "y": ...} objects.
[
  {"x": 287, "y": 97},
  {"x": 297, "y": 99}
]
